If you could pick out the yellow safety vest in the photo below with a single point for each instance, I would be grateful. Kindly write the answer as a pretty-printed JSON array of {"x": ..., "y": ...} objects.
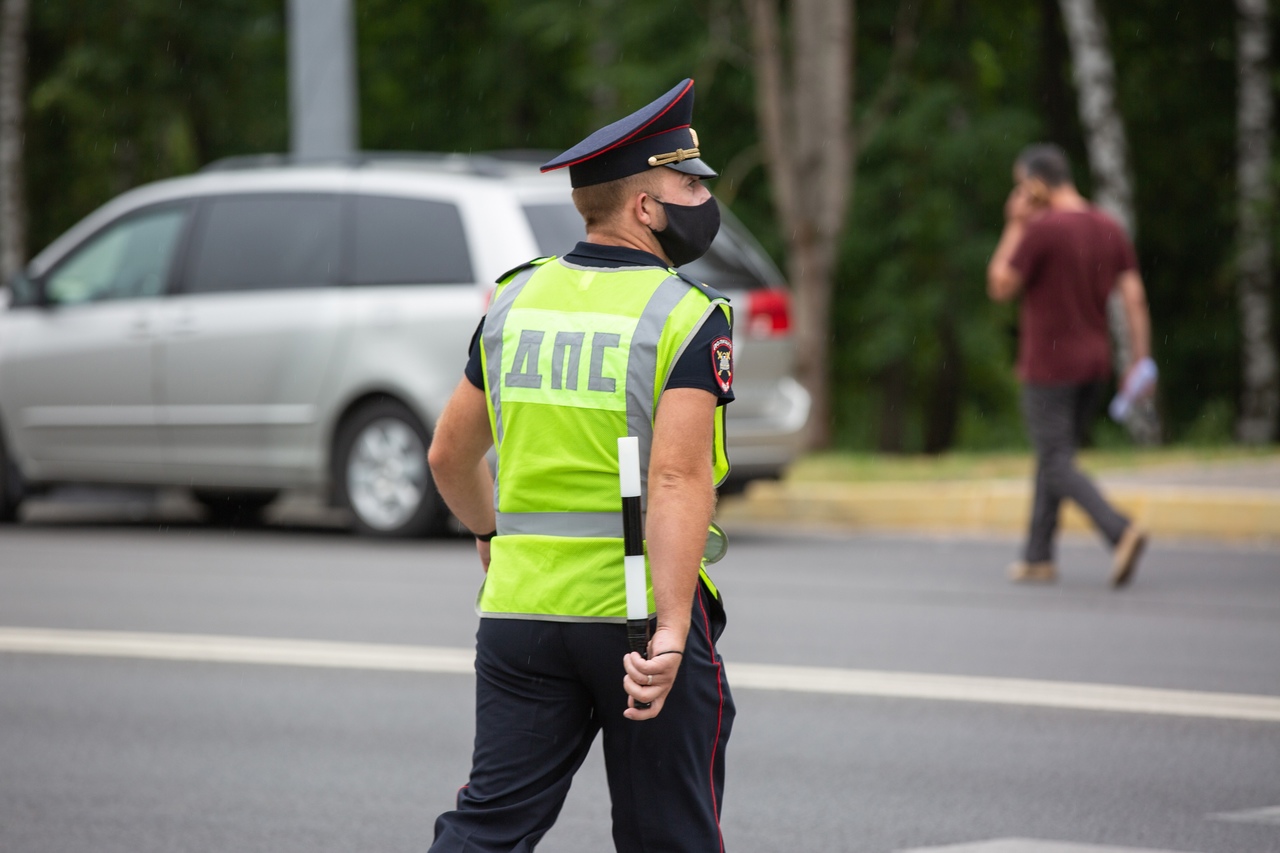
[{"x": 574, "y": 358}]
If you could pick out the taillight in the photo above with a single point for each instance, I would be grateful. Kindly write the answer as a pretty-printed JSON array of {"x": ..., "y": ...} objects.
[{"x": 768, "y": 312}]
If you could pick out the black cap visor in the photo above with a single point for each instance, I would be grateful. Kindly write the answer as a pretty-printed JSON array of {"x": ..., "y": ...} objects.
[{"x": 694, "y": 166}]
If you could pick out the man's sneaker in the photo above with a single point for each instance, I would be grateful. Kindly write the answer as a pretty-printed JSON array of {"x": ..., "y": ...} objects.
[
  {"x": 1128, "y": 552},
  {"x": 1024, "y": 572}
]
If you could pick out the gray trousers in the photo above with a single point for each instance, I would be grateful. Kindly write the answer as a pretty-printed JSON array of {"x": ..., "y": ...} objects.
[{"x": 1058, "y": 419}]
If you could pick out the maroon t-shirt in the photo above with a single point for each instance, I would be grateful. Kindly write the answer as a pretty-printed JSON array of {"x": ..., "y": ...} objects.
[{"x": 1069, "y": 262}]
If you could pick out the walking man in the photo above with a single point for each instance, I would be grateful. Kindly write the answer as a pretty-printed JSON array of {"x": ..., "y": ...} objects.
[
  {"x": 575, "y": 352},
  {"x": 1062, "y": 258}
]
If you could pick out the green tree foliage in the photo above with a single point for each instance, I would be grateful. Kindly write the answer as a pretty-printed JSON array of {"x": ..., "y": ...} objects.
[
  {"x": 458, "y": 76},
  {"x": 1175, "y": 63},
  {"x": 122, "y": 92},
  {"x": 128, "y": 91},
  {"x": 986, "y": 79},
  {"x": 489, "y": 74},
  {"x": 482, "y": 75},
  {"x": 924, "y": 357}
]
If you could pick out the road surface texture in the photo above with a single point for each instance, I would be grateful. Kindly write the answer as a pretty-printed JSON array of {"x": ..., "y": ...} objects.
[{"x": 173, "y": 687}]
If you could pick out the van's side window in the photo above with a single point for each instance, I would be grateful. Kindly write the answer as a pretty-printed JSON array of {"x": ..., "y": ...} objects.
[
  {"x": 408, "y": 241},
  {"x": 129, "y": 259},
  {"x": 266, "y": 242}
]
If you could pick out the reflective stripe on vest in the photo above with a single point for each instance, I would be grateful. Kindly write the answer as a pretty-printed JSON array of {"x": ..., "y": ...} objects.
[
  {"x": 585, "y": 525},
  {"x": 497, "y": 317}
]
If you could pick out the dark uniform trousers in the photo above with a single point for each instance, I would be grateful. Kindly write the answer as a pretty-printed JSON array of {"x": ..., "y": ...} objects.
[{"x": 543, "y": 691}]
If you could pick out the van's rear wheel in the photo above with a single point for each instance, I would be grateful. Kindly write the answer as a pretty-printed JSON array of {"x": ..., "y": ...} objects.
[{"x": 382, "y": 475}]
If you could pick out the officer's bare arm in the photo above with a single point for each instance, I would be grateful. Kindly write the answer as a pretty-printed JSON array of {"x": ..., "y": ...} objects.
[
  {"x": 457, "y": 460},
  {"x": 681, "y": 502},
  {"x": 1137, "y": 315}
]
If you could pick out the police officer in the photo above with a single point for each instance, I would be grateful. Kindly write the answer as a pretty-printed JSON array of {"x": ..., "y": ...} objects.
[{"x": 608, "y": 341}]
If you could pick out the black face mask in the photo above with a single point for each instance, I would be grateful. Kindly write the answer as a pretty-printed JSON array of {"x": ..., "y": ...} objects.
[{"x": 690, "y": 230}]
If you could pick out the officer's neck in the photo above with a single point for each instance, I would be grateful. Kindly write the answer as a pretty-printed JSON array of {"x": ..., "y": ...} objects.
[{"x": 643, "y": 241}]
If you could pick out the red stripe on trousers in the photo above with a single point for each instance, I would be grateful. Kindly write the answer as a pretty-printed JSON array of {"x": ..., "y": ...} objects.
[{"x": 706, "y": 622}]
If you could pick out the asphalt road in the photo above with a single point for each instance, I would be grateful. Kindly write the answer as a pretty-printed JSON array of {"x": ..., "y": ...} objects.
[{"x": 128, "y": 753}]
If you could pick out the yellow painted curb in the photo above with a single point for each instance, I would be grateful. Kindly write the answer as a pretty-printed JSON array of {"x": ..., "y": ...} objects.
[{"x": 1004, "y": 506}]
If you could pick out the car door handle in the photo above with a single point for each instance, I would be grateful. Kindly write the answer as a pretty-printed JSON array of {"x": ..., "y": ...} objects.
[
  {"x": 140, "y": 328},
  {"x": 185, "y": 327}
]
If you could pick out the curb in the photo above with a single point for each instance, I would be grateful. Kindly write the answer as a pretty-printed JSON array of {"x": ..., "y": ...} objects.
[{"x": 1175, "y": 512}]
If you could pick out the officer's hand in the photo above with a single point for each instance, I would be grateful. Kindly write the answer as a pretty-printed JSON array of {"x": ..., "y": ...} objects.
[
  {"x": 482, "y": 548},
  {"x": 651, "y": 680}
]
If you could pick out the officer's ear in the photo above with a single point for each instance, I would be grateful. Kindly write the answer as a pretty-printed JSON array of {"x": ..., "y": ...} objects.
[{"x": 646, "y": 209}]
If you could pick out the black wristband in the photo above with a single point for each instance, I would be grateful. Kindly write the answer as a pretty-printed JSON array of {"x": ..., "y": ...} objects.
[{"x": 485, "y": 537}]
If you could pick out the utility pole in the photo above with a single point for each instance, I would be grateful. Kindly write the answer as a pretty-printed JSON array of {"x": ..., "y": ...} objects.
[
  {"x": 13, "y": 98},
  {"x": 323, "y": 121}
]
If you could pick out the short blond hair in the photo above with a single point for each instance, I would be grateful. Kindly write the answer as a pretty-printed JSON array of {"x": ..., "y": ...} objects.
[{"x": 600, "y": 204}]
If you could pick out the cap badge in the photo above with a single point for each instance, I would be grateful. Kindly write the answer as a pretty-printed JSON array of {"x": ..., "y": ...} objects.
[{"x": 679, "y": 155}]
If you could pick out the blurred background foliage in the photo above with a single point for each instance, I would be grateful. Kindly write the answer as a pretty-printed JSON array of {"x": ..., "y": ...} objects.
[{"x": 121, "y": 92}]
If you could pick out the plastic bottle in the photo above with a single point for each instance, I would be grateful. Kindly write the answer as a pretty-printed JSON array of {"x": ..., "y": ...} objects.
[{"x": 1141, "y": 382}]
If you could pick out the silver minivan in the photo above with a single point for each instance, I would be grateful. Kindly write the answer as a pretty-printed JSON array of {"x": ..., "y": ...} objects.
[{"x": 261, "y": 327}]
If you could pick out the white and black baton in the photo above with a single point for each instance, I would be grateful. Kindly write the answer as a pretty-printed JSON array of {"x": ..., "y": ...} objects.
[{"x": 633, "y": 549}]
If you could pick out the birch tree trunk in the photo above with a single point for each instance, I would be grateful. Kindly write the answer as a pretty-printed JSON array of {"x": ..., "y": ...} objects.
[
  {"x": 13, "y": 66},
  {"x": 1094, "y": 74},
  {"x": 1260, "y": 403},
  {"x": 804, "y": 114}
]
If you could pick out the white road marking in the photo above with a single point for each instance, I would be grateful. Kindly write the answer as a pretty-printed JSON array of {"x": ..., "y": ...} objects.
[
  {"x": 844, "y": 682},
  {"x": 1270, "y": 814},
  {"x": 1029, "y": 845},
  {"x": 250, "y": 650},
  {"x": 1008, "y": 691}
]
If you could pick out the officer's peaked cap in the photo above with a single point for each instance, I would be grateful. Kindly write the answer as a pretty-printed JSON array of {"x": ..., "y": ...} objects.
[{"x": 656, "y": 135}]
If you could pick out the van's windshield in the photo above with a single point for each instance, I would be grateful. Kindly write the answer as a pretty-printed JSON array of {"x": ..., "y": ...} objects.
[{"x": 734, "y": 262}]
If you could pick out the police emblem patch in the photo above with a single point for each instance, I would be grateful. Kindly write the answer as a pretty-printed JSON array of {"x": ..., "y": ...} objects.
[{"x": 722, "y": 362}]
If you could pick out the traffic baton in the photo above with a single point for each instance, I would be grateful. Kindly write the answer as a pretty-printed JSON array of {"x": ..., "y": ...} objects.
[{"x": 633, "y": 550}]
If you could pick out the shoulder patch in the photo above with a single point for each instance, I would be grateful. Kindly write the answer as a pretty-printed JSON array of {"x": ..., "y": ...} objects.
[
  {"x": 533, "y": 263},
  {"x": 722, "y": 362},
  {"x": 710, "y": 291}
]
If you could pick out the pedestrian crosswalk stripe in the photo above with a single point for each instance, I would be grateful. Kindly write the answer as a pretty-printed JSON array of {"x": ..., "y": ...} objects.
[
  {"x": 1031, "y": 845},
  {"x": 747, "y": 676}
]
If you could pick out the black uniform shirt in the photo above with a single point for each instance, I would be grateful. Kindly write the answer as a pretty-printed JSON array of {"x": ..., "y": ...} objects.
[{"x": 699, "y": 366}]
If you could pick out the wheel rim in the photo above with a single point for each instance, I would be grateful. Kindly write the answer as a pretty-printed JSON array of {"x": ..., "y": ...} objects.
[{"x": 386, "y": 474}]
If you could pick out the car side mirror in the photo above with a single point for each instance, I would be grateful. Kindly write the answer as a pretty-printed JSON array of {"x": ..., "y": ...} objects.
[
  {"x": 31, "y": 290},
  {"x": 22, "y": 290}
]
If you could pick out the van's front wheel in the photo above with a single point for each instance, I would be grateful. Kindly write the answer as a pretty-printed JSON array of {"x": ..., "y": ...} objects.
[{"x": 381, "y": 473}]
